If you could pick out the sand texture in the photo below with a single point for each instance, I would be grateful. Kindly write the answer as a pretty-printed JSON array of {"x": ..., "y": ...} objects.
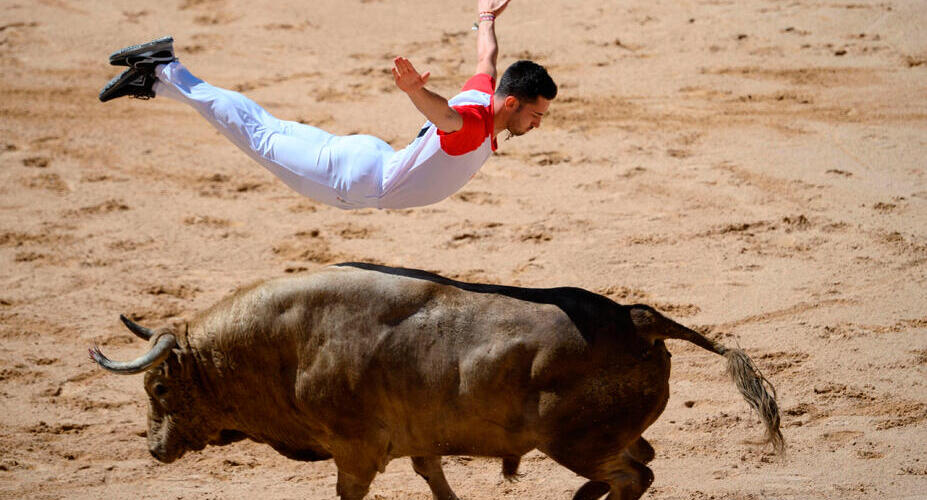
[{"x": 756, "y": 169}]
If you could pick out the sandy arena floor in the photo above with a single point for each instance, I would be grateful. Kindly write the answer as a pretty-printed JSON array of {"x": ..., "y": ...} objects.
[{"x": 756, "y": 168}]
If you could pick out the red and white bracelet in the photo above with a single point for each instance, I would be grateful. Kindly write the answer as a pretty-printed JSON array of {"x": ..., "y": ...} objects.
[{"x": 484, "y": 16}]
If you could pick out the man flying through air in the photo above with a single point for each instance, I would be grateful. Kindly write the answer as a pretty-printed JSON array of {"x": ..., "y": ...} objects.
[{"x": 359, "y": 171}]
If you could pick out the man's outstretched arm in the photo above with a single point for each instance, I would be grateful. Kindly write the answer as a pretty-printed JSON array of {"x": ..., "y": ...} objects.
[
  {"x": 487, "y": 49},
  {"x": 433, "y": 106}
]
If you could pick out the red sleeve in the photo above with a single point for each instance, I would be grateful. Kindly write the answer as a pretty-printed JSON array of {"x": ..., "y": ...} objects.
[
  {"x": 477, "y": 125},
  {"x": 481, "y": 82}
]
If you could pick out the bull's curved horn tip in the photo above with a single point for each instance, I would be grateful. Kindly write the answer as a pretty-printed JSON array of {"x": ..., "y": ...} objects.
[
  {"x": 95, "y": 353},
  {"x": 139, "y": 330}
]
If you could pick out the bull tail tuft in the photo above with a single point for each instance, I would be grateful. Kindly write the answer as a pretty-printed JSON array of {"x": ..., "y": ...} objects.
[{"x": 758, "y": 392}]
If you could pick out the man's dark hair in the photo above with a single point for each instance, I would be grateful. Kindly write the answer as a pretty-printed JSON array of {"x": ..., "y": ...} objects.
[{"x": 527, "y": 80}]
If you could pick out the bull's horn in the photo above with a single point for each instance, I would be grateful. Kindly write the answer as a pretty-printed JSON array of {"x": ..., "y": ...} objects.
[
  {"x": 157, "y": 354},
  {"x": 140, "y": 331}
]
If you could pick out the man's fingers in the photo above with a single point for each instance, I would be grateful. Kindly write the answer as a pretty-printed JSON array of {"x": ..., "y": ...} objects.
[
  {"x": 494, "y": 6},
  {"x": 400, "y": 64},
  {"x": 408, "y": 66},
  {"x": 502, "y": 6},
  {"x": 404, "y": 73}
]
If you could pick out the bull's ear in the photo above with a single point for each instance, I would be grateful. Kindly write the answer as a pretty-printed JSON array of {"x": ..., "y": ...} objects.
[{"x": 174, "y": 364}]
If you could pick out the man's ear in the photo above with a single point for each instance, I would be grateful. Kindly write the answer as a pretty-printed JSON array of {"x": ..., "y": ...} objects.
[{"x": 510, "y": 103}]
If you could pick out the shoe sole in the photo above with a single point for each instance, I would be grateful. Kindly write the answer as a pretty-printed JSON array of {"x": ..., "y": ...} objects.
[
  {"x": 127, "y": 77},
  {"x": 145, "y": 51}
]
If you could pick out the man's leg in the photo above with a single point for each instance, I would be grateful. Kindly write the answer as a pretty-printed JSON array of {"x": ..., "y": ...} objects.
[{"x": 298, "y": 154}]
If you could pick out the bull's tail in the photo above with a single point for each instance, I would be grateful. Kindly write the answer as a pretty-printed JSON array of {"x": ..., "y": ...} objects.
[{"x": 755, "y": 388}]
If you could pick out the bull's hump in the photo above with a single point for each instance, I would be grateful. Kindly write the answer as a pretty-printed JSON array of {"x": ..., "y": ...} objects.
[
  {"x": 401, "y": 291},
  {"x": 592, "y": 313},
  {"x": 365, "y": 286}
]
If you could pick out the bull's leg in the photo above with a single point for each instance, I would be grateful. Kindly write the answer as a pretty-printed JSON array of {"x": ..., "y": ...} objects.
[
  {"x": 630, "y": 483},
  {"x": 592, "y": 490},
  {"x": 642, "y": 451},
  {"x": 354, "y": 485},
  {"x": 359, "y": 459},
  {"x": 357, "y": 464},
  {"x": 430, "y": 469},
  {"x": 510, "y": 467},
  {"x": 617, "y": 473}
]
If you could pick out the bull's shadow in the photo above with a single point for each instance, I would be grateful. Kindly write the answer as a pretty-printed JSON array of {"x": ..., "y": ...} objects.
[{"x": 597, "y": 317}]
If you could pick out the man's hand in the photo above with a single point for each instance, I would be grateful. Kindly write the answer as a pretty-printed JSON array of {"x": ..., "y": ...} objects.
[
  {"x": 407, "y": 79},
  {"x": 433, "y": 106},
  {"x": 494, "y": 6}
]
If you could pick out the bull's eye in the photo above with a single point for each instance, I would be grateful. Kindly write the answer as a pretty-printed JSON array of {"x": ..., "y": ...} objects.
[{"x": 159, "y": 390}]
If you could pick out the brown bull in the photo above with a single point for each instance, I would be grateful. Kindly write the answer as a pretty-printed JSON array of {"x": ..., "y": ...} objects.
[{"x": 364, "y": 363}]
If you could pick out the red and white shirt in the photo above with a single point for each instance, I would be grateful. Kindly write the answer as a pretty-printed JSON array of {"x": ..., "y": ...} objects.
[{"x": 437, "y": 164}]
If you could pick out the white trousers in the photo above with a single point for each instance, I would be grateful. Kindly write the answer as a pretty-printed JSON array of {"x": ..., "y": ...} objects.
[{"x": 342, "y": 171}]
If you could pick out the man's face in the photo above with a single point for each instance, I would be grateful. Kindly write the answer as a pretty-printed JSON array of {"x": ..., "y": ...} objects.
[{"x": 527, "y": 115}]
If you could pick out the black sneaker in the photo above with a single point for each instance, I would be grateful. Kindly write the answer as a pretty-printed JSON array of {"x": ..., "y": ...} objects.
[
  {"x": 145, "y": 55},
  {"x": 132, "y": 82}
]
